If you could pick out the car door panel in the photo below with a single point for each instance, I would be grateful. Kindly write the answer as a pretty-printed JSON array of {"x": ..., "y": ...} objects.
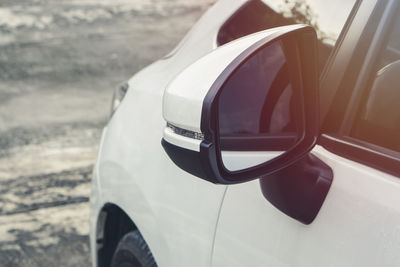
[
  {"x": 251, "y": 232},
  {"x": 358, "y": 223}
]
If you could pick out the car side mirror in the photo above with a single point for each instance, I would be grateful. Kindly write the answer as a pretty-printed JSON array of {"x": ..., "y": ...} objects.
[{"x": 246, "y": 110}]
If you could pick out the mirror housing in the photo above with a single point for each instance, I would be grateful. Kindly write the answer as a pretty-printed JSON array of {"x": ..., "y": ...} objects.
[{"x": 190, "y": 106}]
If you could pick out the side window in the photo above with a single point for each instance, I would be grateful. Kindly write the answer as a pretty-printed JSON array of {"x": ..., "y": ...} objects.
[
  {"x": 252, "y": 17},
  {"x": 327, "y": 18},
  {"x": 378, "y": 119}
]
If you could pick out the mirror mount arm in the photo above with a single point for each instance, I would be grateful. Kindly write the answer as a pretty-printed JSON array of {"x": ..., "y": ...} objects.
[{"x": 299, "y": 194}]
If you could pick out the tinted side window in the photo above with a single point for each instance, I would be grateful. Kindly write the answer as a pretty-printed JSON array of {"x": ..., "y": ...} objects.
[
  {"x": 378, "y": 119},
  {"x": 254, "y": 16},
  {"x": 327, "y": 18}
]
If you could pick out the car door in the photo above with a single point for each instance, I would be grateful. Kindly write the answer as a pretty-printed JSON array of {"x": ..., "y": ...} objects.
[{"x": 358, "y": 224}]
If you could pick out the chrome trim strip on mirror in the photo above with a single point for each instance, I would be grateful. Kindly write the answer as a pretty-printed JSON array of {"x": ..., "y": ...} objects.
[{"x": 186, "y": 133}]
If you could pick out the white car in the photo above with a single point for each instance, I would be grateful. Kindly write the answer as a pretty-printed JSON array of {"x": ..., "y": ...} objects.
[{"x": 268, "y": 137}]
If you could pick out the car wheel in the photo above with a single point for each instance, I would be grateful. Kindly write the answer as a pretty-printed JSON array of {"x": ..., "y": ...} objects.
[{"x": 132, "y": 251}]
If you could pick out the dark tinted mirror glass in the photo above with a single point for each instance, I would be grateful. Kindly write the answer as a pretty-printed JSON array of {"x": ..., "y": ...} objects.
[{"x": 260, "y": 114}]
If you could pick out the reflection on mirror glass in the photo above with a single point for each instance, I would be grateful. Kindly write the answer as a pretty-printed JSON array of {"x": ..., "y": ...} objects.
[
  {"x": 260, "y": 112},
  {"x": 378, "y": 119}
]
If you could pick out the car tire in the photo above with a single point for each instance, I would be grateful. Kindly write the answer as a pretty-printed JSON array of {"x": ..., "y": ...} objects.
[{"x": 132, "y": 251}]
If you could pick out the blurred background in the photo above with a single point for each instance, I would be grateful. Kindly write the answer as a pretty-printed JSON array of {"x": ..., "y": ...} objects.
[{"x": 59, "y": 63}]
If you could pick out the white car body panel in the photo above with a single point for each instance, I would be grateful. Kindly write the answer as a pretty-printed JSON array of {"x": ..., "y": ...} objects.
[
  {"x": 187, "y": 221},
  {"x": 177, "y": 222},
  {"x": 353, "y": 228}
]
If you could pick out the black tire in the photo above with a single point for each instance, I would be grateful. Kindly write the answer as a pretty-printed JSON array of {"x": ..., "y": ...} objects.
[{"x": 132, "y": 251}]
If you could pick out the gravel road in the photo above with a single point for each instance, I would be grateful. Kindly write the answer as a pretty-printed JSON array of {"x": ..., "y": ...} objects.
[{"x": 59, "y": 61}]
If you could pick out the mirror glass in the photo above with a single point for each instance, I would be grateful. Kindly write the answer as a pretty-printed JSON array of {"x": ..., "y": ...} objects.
[{"x": 260, "y": 113}]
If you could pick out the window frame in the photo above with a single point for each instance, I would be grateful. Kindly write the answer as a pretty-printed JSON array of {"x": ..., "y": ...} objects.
[{"x": 339, "y": 140}]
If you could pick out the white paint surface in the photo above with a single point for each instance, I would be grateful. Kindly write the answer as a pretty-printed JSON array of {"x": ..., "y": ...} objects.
[
  {"x": 180, "y": 216},
  {"x": 358, "y": 224},
  {"x": 240, "y": 160}
]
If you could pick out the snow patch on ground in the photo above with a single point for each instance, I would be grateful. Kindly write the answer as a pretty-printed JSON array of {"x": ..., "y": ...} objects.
[
  {"x": 19, "y": 16},
  {"x": 11, "y": 20}
]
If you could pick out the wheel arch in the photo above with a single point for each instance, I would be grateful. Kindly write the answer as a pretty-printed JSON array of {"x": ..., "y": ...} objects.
[{"x": 112, "y": 223}]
